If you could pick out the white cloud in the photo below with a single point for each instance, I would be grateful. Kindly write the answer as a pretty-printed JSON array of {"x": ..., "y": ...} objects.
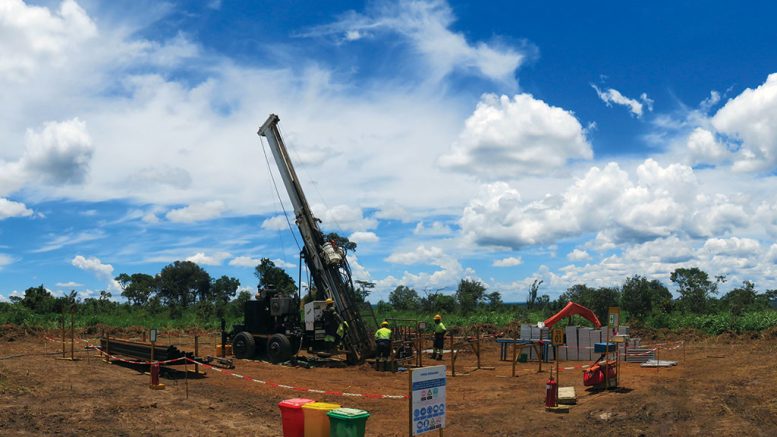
[
  {"x": 70, "y": 239},
  {"x": 245, "y": 261},
  {"x": 508, "y": 138},
  {"x": 208, "y": 260},
  {"x": 578, "y": 255},
  {"x": 733, "y": 246},
  {"x": 58, "y": 154},
  {"x": 343, "y": 218},
  {"x": 705, "y": 149},
  {"x": 285, "y": 264},
  {"x": 5, "y": 260},
  {"x": 421, "y": 255},
  {"x": 196, "y": 212},
  {"x": 9, "y": 208},
  {"x": 751, "y": 119},
  {"x": 656, "y": 202},
  {"x": 363, "y": 237},
  {"x": 508, "y": 262},
  {"x": 92, "y": 264},
  {"x": 70, "y": 284},
  {"x": 612, "y": 95},
  {"x": 276, "y": 223},
  {"x": 34, "y": 36},
  {"x": 425, "y": 26},
  {"x": 436, "y": 228}
]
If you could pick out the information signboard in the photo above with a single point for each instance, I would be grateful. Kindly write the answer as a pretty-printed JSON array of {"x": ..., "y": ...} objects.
[
  {"x": 558, "y": 337},
  {"x": 614, "y": 322},
  {"x": 427, "y": 400}
]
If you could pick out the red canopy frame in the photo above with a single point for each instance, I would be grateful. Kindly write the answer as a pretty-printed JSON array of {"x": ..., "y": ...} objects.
[{"x": 570, "y": 310}]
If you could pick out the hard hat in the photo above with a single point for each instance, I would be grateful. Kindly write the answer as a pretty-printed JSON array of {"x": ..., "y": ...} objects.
[
  {"x": 437, "y": 317},
  {"x": 329, "y": 301},
  {"x": 383, "y": 324}
]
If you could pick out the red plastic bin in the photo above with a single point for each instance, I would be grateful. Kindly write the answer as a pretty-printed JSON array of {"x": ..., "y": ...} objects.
[{"x": 292, "y": 417}]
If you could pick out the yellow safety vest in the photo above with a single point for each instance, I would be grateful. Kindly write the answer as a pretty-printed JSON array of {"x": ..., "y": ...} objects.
[
  {"x": 383, "y": 334},
  {"x": 439, "y": 328}
]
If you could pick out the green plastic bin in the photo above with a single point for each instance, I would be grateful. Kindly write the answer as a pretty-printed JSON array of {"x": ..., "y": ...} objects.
[
  {"x": 523, "y": 358},
  {"x": 347, "y": 422}
]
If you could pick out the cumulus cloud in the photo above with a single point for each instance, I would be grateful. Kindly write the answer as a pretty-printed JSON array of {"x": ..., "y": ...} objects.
[
  {"x": 245, "y": 261},
  {"x": 703, "y": 148},
  {"x": 196, "y": 212},
  {"x": 9, "y": 208},
  {"x": 276, "y": 223},
  {"x": 612, "y": 96},
  {"x": 436, "y": 228},
  {"x": 656, "y": 202},
  {"x": 508, "y": 262},
  {"x": 37, "y": 35},
  {"x": 425, "y": 26},
  {"x": 364, "y": 237},
  {"x": 344, "y": 217},
  {"x": 60, "y": 153},
  {"x": 449, "y": 272},
  {"x": 751, "y": 119},
  {"x": 507, "y": 138},
  {"x": 578, "y": 255},
  {"x": 209, "y": 260},
  {"x": 92, "y": 264},
  {"x": 421, "y": 255}
]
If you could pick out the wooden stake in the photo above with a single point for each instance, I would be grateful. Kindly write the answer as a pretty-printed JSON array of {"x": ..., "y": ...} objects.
[
  {"x": 197, "y": 353},
  {"x": 72, "y": 333},
  {"x": 186, "y": 369},
  {"x": 453, "y": 358},
  {"x": 478, "y": 340},
  {"x": 515, "y": 347}
]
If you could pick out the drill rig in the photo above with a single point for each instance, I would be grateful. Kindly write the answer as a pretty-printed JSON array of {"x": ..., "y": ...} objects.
[{"x": 328, "y": 268}]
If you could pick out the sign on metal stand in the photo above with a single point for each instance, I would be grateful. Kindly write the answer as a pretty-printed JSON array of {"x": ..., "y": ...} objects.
[
  {"x": 558, "y": 340},
  {"x": 427, "y": 399}
]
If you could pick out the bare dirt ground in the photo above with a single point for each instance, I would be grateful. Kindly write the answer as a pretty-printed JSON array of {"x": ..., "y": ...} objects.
[{"x": 722, "y": 387}]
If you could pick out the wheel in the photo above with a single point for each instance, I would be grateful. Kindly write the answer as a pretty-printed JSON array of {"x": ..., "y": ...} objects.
[
  {"x": 243, "y": 345},
  {"x": 278, "y": 348}
]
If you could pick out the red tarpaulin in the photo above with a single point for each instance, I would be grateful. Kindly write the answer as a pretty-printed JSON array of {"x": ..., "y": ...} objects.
[{"x": 570, "y": 310}]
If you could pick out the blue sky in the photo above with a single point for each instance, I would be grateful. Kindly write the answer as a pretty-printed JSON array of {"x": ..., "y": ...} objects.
[{"x": 497, "y": 141}]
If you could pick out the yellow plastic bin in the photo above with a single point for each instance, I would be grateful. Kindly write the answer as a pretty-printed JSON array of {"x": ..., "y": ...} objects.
[
  {"x": 348, "y": 422},
  {"x": 316, "y": 420}
]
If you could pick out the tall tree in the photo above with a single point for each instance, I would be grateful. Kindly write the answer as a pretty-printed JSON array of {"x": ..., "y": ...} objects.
[
  {"x": 341, "y": 241},
  {"x": 640, "y": 297},
  {"x": 469, "y": 295},
  {"x": 531, "y": 301},
  {"x": 363, "y": 290},
  {"x": 494, "y": 300},
  {"x": 743, "y": 298},
  {"x": 271, "y": 276},
  {"x": 597, "y": 300},
  {"x": 182, "y": 282},
  {"x": 138, "y": 288},
  {"x": 38, "y": 299},
  {"x": 695, "y": 288},
  {"x": 404, "y": 298}
]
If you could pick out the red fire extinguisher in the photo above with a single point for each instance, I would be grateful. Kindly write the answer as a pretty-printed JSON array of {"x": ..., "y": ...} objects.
[{"x": 551, "y": 393}]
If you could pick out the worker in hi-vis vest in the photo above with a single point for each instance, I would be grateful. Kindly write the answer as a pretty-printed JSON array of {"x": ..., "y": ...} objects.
[
  {"x": 439, "y": 337},
  {"x": 383, "y": 349}
]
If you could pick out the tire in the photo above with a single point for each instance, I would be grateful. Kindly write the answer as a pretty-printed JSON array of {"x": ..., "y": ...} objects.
[
  {"x": 278, "y": 348},
  {"x": 244, "y": 345}
]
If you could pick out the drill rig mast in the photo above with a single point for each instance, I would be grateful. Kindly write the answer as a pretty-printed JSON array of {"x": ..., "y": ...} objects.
[{"x": 326, "y": 262}]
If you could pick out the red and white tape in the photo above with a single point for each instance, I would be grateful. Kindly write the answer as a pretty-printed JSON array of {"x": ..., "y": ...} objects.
[{"x": 298, "y": 389}]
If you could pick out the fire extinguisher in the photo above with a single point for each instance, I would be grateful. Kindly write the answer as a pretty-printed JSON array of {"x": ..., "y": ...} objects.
[{"x": 551, "y": 392}]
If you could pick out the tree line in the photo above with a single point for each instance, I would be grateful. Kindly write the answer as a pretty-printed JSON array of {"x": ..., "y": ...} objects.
[{"x": 641, "y": 298}]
